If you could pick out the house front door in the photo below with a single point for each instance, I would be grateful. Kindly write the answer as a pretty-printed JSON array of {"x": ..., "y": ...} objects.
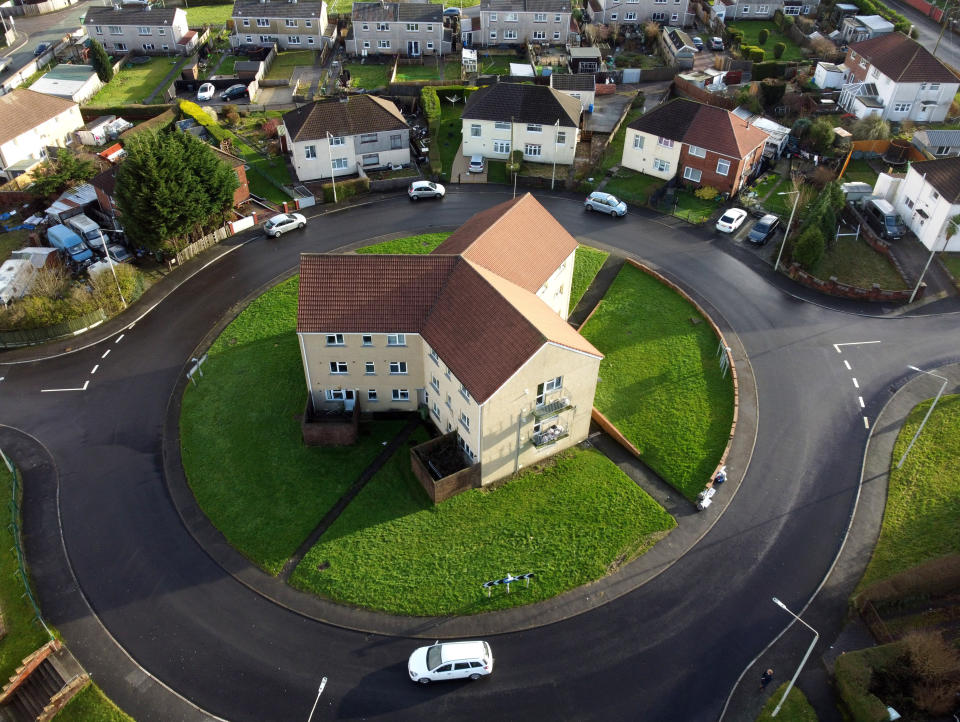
[
  {"x": 413, "y": 48},
  {"x": 348, "y": 400}
]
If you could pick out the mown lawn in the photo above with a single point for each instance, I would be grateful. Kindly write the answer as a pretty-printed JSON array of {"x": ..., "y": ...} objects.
[
  {"x": 860, "y": 170},
  {"x": 213, "y": 15},
  {"x": 429, "y": 71},
  {"x": 920, "y": 517},
  {"x": 751, "y": 32},
  {"x": 614, "y": 152},
  {"x": 286, "y": 61},
  {"x": 497, "y": 171},
  {"x": 571, "y": 521},
  {"x": 796, "y": 709},
  {"x": 693, "y": 209},
  {"x": 450, "y": 134},
  {"x": 587, "y": 264},
  {"x": 421, "y": 244},
  {"x": 660, "y": 382},
  {"x": 853, "y": 261},
  {"x": 368, "y": 75},
  {"x": 135, "y": 83},
  {"x": 243, "y": 452},
  {"x": 950, "y": 260},
  {"x": 12, "y": 240},
  {"x": 91, "y": 705},
  {"x": 488, "y": 64},
  {"x": 633, "y": 187},
  {"x": 345, "y": 6}
]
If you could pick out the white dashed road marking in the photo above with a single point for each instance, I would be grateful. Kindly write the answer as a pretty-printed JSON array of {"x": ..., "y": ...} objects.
[
  {"x": 847, "y": 364},
  {"x": 94, "y": 369},
  {"x": 82, "y": 388},
  {"x": 860, "y": 399},
  {"x": 852, "y": 343},
  {"x": 866, "y": 422},
  {"x": 855, "y": 384},
  {"x": 120, "y": 338},
  {"x": 106, "y": 353}
]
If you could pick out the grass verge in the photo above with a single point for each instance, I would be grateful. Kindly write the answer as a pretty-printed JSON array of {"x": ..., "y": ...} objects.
[
  {"x": 919, "y": 519},
  {"x": 421, "y": 244},
  {"x": 796, "y": 709},
  {"x": 633, "y": 187},
  {"x": 243, "y": 452},
  {"x": 449, "y": 136},
  {"x": 134, "y": 84},
  {"x": 587, "y": 264},
  {"x": 692, "y": 209},
  {"x": 751, "y": 34},
  {"x": 950, "y": 260},
  {"x": 91, "y": 705},
  {"x": 853, "y": 261},
  {"x": 391, "y": 538},
  {"x": 661, "y": 385}
]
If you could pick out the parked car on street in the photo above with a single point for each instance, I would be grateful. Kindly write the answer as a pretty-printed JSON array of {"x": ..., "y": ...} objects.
[
  {"x": 605, "y": 203},
  {"x": 278, "y": 225},
  {"x": 425, "y": 189},
  {"x": 451, "y": 11},
  {"x": 698, "y": 43},
  {"x": 716, "y": 44},
  {"x": 476, "y": 164},
  {"x": 206, "y": 91},
  {"x": 731, "y": 220},
  {"x": 763, "y": 229},
  {"x": 234, "y": 92},
  {"x": 450, "y": 660}
]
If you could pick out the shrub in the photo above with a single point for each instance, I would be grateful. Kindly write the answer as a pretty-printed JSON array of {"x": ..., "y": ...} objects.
[
  {"x": 269, "y": 127},
  {"x": 787, "y": 22},
  {"x": 735, "y": 36},
  {"x": 769, "y": 69},
  {"x": 772, "y": 92},
  {"x": 346, "y": 189},
  {"x": 820, "y": 135},
  {"x": 871, "y": 128},
  {"x": 752, "y": 52},
  {"x": 809, "y": 248},
  {"x": 104, "y": 288},
  {"x": 707, "y": 193},
  {"x": 762, "y": 37},
  {"x": 779, "y": 49},
  {"x": 853, "y": 672},
  {"x": 431, "y": 105}
]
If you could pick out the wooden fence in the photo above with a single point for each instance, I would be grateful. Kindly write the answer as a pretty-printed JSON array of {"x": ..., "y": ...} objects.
[{"x": 203, "y": 244}]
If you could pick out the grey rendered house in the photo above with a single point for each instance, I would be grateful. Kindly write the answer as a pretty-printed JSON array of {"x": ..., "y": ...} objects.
[
  {"x": 515, "y": 22},
  {"x": 408, "y": 29},
  {"x": 301, "y": 25},
  {"x": 160, "y": 31}
]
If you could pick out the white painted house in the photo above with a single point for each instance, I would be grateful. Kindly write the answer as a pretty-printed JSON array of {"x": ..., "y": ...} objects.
[
  {"x": 29, "y": 123},
  {"x": 928, "y": 201}
]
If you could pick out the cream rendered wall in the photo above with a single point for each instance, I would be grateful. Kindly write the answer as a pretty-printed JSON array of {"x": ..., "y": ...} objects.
[
  {"x": 446, "y": 401},
  {"x": 641, "y": 159},
  {"x": 317, "y": 355},
  {"x": 319, "y": 167},
  {"x": 931, "y": 232},
  {"x": 483, "y": 144},
  {"x": 507, "y": 415},
  {"x": 51, "y": 132},
  {"x": 556, "y": 291}
]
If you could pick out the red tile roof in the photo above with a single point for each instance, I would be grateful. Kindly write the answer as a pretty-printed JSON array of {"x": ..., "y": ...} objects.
[
  {"x": 903, "y": 60},
  {"x": 490, "y": 239},
  {"x": 706, "y": 126},
  {"x": 352, "y": 115}
]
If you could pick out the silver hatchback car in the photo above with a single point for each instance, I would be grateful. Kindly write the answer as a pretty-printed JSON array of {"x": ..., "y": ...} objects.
[
  {"x": 279, "y": 225},
  {"x": 605, "y": 203}
]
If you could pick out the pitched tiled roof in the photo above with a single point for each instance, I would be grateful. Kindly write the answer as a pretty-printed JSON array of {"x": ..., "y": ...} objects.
[
  {"x": 357, "y": 114},
  {"x": 409, "y": 12},
  {"x": 938, "y": 138},
  {"x": 943, "y": 174},
  {"x": 903, "y": 60},
  {"x": 523, "y": 104},
  {"x": 530, "y": 6},
  {"x": 490, "y": 239},
  {"x": 105, "y": 181},
  {"x": 706, "y": 126},
  {"x": 130, "y": 16},
  {"x": 573, "y": 81},
  {"x": 438, "y": 296},
  {"x": 22, "y": 110},
  {"x": 277, "y": 9}
]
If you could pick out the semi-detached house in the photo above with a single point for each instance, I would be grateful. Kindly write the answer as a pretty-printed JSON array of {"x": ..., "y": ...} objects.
[
  {"x": 295, "y": 25},
  {"x": 516, "y": 22},
  {"x": 29, "y": 123},
  {"x": 335, "y": 137},
  {"x": 410, "y": 29},
  {"x": 474, "y": 332},
  {"x": 148, "y": 30},
  {"x": 702, "y": 144},
  {"x": 679, "y": 13}
]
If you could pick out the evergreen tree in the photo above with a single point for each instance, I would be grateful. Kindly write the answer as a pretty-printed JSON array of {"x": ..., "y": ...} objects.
[
  {"x": 61, "y": 172},
  {"x": 100, "y": 61}
]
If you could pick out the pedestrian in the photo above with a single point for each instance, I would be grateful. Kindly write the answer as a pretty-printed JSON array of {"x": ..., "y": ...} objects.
[{"x": 765, "y": 678}]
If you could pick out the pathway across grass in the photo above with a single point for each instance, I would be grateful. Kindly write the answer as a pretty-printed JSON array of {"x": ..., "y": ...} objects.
[
  {"x": 660, "y": 382},
  {"x": 570, "y": 522}
]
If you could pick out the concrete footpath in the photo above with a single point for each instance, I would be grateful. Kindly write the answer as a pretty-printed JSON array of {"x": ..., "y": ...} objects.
[{"x": 827, "y": 610}]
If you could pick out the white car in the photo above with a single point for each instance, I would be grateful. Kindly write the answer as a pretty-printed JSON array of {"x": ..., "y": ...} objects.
[
  {"x": 278, "y": 225},
  {"x": 206, "y": 91},
  {"x": 450, "y": 660},
  {"x": 605, "y": 203},
  {"x": 476, "y": 164},
  {"x": 731, "y": 220},
  {"x": 119, "y": 254},
  {"x": 425, "y": 189}
]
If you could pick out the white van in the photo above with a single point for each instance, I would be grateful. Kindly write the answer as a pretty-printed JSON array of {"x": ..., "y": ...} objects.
[{"x": 87, "y": 229}]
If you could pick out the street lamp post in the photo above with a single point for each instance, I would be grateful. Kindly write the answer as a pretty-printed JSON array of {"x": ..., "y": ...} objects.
[
  {"x": 816, "y": 636},
  {"x": 929, "y": 411},
  {"x": 106, "y": 252},
  {"x": 789, "y": 223},
  {"x": 330, "y": 158},
  {"x": 323, "y": 683}
]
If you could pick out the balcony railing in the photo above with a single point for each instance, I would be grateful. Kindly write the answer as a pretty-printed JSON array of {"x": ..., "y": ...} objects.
[
  {"x": 550, "y": 435},
  {"x": 552, "y": 409}
]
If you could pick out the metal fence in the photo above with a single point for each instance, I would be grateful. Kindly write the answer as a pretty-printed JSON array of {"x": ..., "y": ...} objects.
[
  {"x": 14, "y": 527},
  {"x": 72, "y": 327}
]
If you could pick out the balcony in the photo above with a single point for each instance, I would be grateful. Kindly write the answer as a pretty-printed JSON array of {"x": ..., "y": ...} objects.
[
  {"x": 552, "y": 409},
  {"x": 550, "y": 435}
]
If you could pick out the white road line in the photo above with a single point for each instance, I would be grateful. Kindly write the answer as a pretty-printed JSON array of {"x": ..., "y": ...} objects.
[
  {"x": 866, "y": 422},
  {"x": 847, "y": 364},
  {"x": 120, "y": 338},
  {"x": 106, "y": 353},
  {"x": 852, "y": 343},
  {"x": 94, "y": 369},
  {"x": 82, "y": 388},
  {"x": 855, "y": 382},
  {"x": 860, "y": 399}
]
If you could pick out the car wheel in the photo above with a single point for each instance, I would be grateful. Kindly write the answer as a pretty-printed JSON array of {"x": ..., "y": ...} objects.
[
  {"x": 474, "y": 676},
  {"x": 276, "y": 234},
  {"x": 424, "y": 680},
  {"x": 414, "y": 198},
  {"x": 301, "y": 225},
  {"x": 587, "y": 207}
]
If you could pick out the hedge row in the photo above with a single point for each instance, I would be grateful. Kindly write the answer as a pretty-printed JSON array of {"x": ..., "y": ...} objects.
[
  {"x": 869, "y": 7},
  {"x": 346, "y": 189},
  {"x": 130, "y": 112},
  {"x": 853, "y": 672}
]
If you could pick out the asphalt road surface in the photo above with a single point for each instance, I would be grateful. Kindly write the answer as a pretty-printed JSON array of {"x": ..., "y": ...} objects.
[{"x": 669, "y": 651}]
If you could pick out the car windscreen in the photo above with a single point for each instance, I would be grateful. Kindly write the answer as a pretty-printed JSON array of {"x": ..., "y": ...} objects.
[
  {"x": 728, "y": 218},
  {"x": 762, "y": 226},
  {"x": 433, "y": 656}
]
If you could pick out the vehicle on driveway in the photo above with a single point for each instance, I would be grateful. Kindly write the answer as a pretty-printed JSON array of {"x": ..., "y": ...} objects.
[
  {"x": 731, "y": 220},
  {"x": 763, "y": 229},
  {"x": 278, "y": 225},
  {"x": 476, "y": 164},
  {"x": 206, "y": 91},
  {"x": 450, "y": 660},
  {"x": 234, "y": 92},
  {"x": 698, "y": 43},
  {"x": 425, "y": 189},
  {"x": 119, "y": 254},
  {"x": 40, "y": 49},
  {"x": 716, "y": 44},
  {"x": 605, "y": 203},
  {"x": 451, "y": 11}
]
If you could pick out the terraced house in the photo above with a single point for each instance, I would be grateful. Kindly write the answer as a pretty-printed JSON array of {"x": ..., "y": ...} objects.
[
  {"x": 154, "y": 31},
  {"x": 511, "y": 385},
  {"x": 515, "y": 22},
  {"x": 637, "y": 12},
  {"x": 411, "y": 29},
  {"x": 295, "y": 25}
]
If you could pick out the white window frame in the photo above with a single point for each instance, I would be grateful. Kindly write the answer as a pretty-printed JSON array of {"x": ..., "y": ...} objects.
[
  {"x": 290, "y": 22},
  {"x": 509, "y": 34},
  {"x": 366, "y": 339},
  {"x": 398, "y": 367},
  {"x": 556, "y": 35},
  {"x": 263, "y": 23},
  {"x": 383, "y": 27},
  {"x": 539, "y": 34},
  {"x": 335, "y": 339},
  {"x": 339, "y": 164},
  {"x": 637, "y": 142},
  {"x": 501, "y": 125},
  {"x": 534, "y": 128},
  {"x": 561, "y": 137},
  {"x": 665, "y": 142},
  {"x": 293, "y": 40},
  {"x": 369, "y": 368},
  {"x": 144, "y": 30},
  {"x": 465, "y": 420},
  {"x": 532, "y": 150},
  {"x": 725, "y": 164},
  {"x": 696, "y": 150},
  {"x": 396, "y": 339},
  {"x": 475, "y": 130},
  {"x": 372, "y": 395},
  {"x": 692, "y": 174},
  {"x": 501, "y": 146},
  {"x": 336, "y": 394},
  {"x": 902, "y": 107},
  {"x": 310, "y": 152},
  {"x": 401, "y": 395},
  {"x": 383, "y": 44},
  {"x": 413, "y": 27},
  {"x": 539, "y": 17},
  {"x": 659, "y": 164},
  {"x": 339, "y": 368}
]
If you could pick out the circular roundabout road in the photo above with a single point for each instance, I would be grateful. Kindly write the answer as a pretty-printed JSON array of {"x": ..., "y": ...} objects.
[{"x": 171, "y": 634}]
